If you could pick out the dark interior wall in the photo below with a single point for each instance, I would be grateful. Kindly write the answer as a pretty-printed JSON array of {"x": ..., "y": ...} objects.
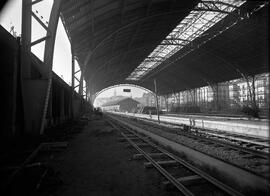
[
  {"x": 12, "y": 111},
  {"x": 9, "y": 74}
]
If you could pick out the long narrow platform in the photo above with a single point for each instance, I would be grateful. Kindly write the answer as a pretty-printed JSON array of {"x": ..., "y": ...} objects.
[{"x": 258, "y": 128}]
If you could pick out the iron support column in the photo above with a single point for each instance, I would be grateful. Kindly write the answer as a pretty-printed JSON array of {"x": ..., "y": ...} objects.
[
  {"x": 72, "y": 81},
  {"x": 48, "y": 55},
  {"x": 157, "y": 105},
  {"x": 26, "y": 39}
]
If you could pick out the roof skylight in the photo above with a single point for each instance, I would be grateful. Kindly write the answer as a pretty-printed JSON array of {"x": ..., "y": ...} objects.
[{"x": 200, "y": 19}]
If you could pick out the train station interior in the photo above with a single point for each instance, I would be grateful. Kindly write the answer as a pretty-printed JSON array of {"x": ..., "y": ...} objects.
[{"x": 134, "y": 97}]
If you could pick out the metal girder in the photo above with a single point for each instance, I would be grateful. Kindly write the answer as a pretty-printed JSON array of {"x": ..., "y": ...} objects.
[
  {"x": 39, "y": 21},
  {"x": 81, "y": 33},
  {"x": 214, "y": 6},
  {"x": 39, "y": 40},
  {"x": 176, "y": 42},
  {"x": 26, "y": 38},
  {"x": 138, "y": 27},
  {"x": 92, "y": 16},
  {"x": 83, "y": 18},
  {"x": 35, "y": 2},
  {"x": 74, "y": 77},
  {"x": 77, "y": 79},
  {"x": 100, "y": 67},
  {"x": 114, "y": 43},
  {"x": 33, "y": 117},
  {"x": 70, "y": 6},
  {"x": 48, "y": 55},
  {"x": 122, "y": 8},
  {"x": 209, "y": 37},
  {"x": 130, "y": 42},
  {"x": 191, "y": 27},
  {"x": 81, "y": 85},
  {"x": 92, "y": 52},
  {"x": 72, "y": 69}
]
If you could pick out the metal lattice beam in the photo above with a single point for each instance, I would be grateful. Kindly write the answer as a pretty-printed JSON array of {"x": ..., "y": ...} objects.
[
  {"x": 48, "y": 54},
  {"x": 92, "y": 52},
  {"x": 192, "y": 27}
]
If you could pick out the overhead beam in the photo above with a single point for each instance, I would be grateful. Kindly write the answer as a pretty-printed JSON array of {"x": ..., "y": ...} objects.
[
  {"x": 92, "y": 16},
  {"x": 35, "y": 2},
  {"x": 39, "y": 40},
  {"x": 122, "y": 8},
  {"x": 39, "y": 21},
  {"x": 100, "y": 67},
  {"x": 69, "y": 6},
  {"x": 92, "y": 52}
]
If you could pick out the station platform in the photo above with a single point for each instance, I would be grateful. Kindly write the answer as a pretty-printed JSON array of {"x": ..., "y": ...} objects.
[{"x": 238, "y": 125}]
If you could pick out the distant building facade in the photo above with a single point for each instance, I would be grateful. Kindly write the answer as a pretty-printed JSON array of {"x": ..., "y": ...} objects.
[
  {"x": 123, "y": 105},
  {"x": 148, "y": 99}
]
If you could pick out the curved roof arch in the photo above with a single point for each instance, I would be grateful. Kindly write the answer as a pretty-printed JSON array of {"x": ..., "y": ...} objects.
[
  {"x": 120, "y": 85},
  {"x": 110, "y": 38}
]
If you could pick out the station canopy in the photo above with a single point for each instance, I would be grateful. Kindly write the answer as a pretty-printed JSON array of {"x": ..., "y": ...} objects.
[{"x": 182, "y": 44}]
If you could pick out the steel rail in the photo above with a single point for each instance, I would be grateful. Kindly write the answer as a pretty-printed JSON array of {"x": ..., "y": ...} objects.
[
  {"x": 166, "y": 174},
  {"x": 257, "y": 153},
  {"x": 190, "y": 167},
  {"x": 214, "y": 138}
]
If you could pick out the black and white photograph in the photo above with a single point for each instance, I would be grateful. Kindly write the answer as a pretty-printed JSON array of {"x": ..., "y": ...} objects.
[{"x": 134, "y": 98}]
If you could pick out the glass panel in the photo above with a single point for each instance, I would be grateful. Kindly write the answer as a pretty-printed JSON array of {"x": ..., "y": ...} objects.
[{"x": 200, "y": 19}]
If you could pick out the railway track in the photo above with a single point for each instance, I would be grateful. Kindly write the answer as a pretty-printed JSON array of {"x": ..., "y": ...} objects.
[
  {"x": 252, "y": 160},
  {"x": 245, "y": 141},
  {"x": 188, "y": 179},
  {"x": 223, "y": 140}
]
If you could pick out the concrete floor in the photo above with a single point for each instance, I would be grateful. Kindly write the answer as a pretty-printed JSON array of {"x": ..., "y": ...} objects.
[{"x": 96, "y": 163}]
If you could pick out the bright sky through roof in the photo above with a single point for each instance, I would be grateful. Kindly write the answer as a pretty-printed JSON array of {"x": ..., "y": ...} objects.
[
  {"x": 135, "y": 92},
  {"x": 192, "y": 26},
  {"x": 11, "y": 16}
]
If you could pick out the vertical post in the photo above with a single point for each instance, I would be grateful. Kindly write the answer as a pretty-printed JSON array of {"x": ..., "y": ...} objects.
[
  {"x": 26, "y": 39},
  {"x": 207, "y": 97},
  {"x": 199, "y": 96},
  {"x": 72, "y": 80},
  {"x": 217, "y": 100},
  {"x": 179, "y": 99},
  {"x": 72, "y": 69},
  {"x": 81, "y": 93},
  {"x": 48, "y": 55},
  {"x": 254, "y": 103},
  {"x": 81, "y": 85},
  {"x": 14, "y": 86},
  {"x": 86, "y": 92},
  {"x": 25, "y": 59},
  {"x": 157, "y": 105}
]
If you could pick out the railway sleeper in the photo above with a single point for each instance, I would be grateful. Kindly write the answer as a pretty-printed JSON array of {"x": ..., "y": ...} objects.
[
  {"x": 250, "y": 156},
  {"x": 129, "y": 134},
  {"x": 139, "y": 145},
  {"x": 186, "y": 181},
  {"x": 169, "y": 163},
  {"x": 153, "y": 155},
  {"x": 131, "y": 138},
  {"x": 54, "y": 146},
  {"x": 36, "y": 164}
]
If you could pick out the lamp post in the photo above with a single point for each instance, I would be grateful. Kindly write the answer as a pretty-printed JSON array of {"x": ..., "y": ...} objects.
[{"x": 157, "y": 105}]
